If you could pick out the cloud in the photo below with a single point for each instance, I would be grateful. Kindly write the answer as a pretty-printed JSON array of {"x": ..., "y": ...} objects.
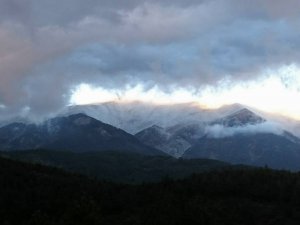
[
  {"x": 49, "y": 47},
  {"x": 219, "y": 131}
]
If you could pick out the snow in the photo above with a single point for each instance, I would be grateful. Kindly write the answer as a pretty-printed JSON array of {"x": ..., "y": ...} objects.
[{"x": 136, "y": 116}]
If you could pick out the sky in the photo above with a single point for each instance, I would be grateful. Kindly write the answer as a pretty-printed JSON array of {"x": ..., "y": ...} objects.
[{"x": 54, "y": 53}]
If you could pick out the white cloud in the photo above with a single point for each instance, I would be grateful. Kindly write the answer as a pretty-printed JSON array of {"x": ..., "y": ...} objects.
[{"x": 219, "y": 131}]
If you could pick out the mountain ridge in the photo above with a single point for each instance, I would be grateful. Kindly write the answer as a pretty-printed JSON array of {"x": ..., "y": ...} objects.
[{"x": 77, "y": 132}]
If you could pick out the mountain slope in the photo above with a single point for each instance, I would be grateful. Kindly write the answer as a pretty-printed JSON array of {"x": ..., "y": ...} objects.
[
  {"x": 117, "y": 166},
  {"x": 173, "y": 140},
  {"x": 77, "y": 133},
  {"x": 255, "y": 149}
]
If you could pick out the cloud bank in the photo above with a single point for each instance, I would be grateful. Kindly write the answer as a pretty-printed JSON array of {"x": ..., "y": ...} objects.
[
  {"x": 50, "y": 47},
  {"x": 219, "y": 131}
]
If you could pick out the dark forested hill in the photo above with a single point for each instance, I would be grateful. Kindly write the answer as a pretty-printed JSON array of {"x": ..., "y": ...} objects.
[
  {"x": 276, "y": 151},
  {"x": 118, "y": 166},
  {"x": 38, "y": 195}
]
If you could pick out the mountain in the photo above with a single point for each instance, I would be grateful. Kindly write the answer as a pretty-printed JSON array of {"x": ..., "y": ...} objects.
[
  {"x": 173, "y": 140},
  {"x": 248, "y": 139},
  {"x": 125, "y": 167},
  {"x": 77, "y": 132},
  {"x": 176, "y": 140},
  {"x": 251, "y": 138},
  {"x": 134, "y": 117}
]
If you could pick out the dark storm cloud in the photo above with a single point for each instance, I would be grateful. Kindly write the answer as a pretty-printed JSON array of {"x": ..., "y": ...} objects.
[{"x": 48, "y": 47}]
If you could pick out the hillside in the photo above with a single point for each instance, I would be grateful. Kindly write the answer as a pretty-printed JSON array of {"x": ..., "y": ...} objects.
[
  {"x": 268, "y": 149},
  {"x": 118, "y": 166}
]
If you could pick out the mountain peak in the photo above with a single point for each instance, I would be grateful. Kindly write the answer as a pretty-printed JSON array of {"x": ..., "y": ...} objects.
[
  {"x": 78, "y": 116},
  {"x": 241, "y": 117},
  {"x": 81, "y": 119},
  {"x": 244, "y": 111}
]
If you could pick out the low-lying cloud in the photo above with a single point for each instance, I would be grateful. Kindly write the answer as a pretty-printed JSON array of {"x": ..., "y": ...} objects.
[{"x": 220, "y": 131}]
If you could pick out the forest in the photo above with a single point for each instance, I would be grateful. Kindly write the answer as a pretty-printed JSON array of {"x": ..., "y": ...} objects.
[
  {"x": 121, "y": 167},
  {"x": 41, "y": 195}
]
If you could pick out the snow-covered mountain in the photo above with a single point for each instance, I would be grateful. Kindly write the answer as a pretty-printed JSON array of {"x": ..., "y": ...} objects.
[
  {"x": 134, "y": 117},
  {"x": 175, "y": 140},
  {"x": 235, "y": 138}
]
